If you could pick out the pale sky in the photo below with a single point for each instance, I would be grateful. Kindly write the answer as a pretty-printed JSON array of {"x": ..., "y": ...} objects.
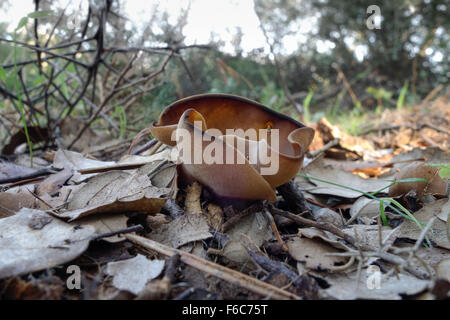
[{"x": 221, "y": 17}]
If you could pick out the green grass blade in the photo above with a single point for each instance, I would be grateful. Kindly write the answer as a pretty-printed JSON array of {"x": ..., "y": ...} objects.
[{"x": 401, "y": 97}]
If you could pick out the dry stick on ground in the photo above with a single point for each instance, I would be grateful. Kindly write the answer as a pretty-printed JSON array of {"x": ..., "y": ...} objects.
[
  {"x": 306, "y": 285},
  {"x": 232, "y": 276},
  {"x": 144, "y": 147},
  {"x": 329, "y": 145},
  {"x": 117, "y": 232},
  {"x": 389, "y": 257},
  {"x": 154, "y": 148},
  {"x": 413, "y": 251},
  {"x": 36, "y": 174},
  {"x": 275, "y": 230}
]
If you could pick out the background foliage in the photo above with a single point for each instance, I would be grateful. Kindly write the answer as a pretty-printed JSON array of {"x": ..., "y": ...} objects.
[{"x": 403, "y": 61}]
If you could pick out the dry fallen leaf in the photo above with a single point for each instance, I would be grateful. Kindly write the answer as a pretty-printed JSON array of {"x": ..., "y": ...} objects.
[
  {"x": 26, "y": 245},
  {"x": 53, "y": 182},
  {"x": 435, "y": 184},
  {"x": 73, "y": 160},
  {"x": 318, "y": 169},
  {"x": 106, "y": 222},
  {"x": 256, "y": 227},
  {"x": 328, "y": 216},
  {"x": 313, "y": 253},
  {"x": 358, "y": 145},
  {"x": 438, "y": 233},
  {"x": 186, "y": 229},
  {"x": 443, "y": 269},
  {"x": 312, "y": 233},
  {"x": 154, "y": 158},
  {"x": 14, "y": 200},
  {"x": 115, "y": 192},
  {"x": 132, "y": 274},
  {"x": 10, "y": 170},
  {"x": 347, "y": 286},
  {"x": 369, "y": 235}
]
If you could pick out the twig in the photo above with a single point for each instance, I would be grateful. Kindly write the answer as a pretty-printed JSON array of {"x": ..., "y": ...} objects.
[
  {"x": 38, "y": 173},
  {"x": 329, "y": 145},
  {"x": 306, "y": 285},
  {"x": 275, "y": 231},
  {"x": 342, "y": 76},
  {"x": 116, "y": 232},
  {"x": 221, "y": 272},
  {"x": 144, "y": 147},
  {"x": 391, "y": 258}
]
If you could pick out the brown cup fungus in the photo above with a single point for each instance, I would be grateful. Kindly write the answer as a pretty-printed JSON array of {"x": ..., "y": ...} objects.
[{"x": 243, "y": 137}]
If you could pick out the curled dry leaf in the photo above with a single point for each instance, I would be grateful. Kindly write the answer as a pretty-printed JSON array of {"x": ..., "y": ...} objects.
[
  {"x": 30, "y": 242},
  {"x": 116, "y": 192},
  {"x": 132, "y": 274},
  {"x": 218, "y": 112},
  {"x": 358, "y": 145},
  {"x": 435, "y": 184}
]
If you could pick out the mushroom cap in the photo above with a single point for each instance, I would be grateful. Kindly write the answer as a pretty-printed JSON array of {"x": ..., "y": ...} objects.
[{"x": 221, "y": 112}]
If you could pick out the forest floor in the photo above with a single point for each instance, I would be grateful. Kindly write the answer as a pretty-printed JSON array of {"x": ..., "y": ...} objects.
[{"x": 104, "y": 223}]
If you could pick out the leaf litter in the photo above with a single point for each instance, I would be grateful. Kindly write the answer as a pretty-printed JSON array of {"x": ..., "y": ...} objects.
[{"x": 341, "y": 243}]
